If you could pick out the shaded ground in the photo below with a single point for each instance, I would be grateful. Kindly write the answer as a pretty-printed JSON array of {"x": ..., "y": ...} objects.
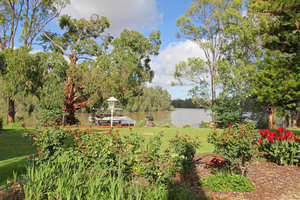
[{"x": 272, "y": 182}]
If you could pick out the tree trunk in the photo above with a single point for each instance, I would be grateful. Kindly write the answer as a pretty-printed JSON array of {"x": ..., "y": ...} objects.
[
  {"x": 213, "y": 98},
  {"x": 69, "y": 100},
  {"x": 287, "y": 120},
  {"x": 271, "y": 117},
  {"x": 295, "y": 119},
  {"x": 11, "y": 111},
  {"x": 71, "y": 104},
  {"x": 290, "y": 119}
]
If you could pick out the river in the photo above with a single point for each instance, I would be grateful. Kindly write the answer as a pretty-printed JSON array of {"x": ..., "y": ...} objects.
[{"x": 179, "y": 117}]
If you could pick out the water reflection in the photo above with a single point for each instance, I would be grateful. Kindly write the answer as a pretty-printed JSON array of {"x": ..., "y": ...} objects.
[{"x": 179, "y": 117}]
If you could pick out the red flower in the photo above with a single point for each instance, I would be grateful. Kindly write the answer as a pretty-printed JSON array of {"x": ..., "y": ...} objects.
[
  {"x": 167, "y": 150},
  {"x": 130, "y": 128},
  {"x": 168, "y": 164},
  {"x": 296, "y": 140},
  {"x": 118, "y": 151},
  {"x": 271, "y": 138},
  {"x": 259, "y": 141},
  {"x": 280, "y": 130},
  {"x": 229, "y": 126}
]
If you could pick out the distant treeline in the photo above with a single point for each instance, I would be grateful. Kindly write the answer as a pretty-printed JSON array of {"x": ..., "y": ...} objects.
[{"x": 186, "y": 103}]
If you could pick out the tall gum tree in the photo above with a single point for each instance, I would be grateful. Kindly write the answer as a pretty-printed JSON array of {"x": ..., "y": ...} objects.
[
  {"x": 94, "y": 73},
  {"x": 219, "y": 28},
  {"x": 23, "y": 20},
  {"x": 78, "y": 42}
]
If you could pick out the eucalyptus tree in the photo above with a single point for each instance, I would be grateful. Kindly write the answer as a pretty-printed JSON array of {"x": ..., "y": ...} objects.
[
  {"x": 21, "y": 21},
  {"x": 151, "y": 99},
  {"x": 225, "y": 33},
  {"x": 94, "y": 73}
]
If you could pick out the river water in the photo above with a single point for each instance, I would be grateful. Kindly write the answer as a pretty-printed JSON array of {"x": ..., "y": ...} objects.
[{"x": 179, "y": 117}]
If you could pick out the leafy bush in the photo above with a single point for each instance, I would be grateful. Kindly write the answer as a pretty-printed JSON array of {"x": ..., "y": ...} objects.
[
  {"x": 204, "y": 124},
  {"x": 227, "y": 111},
  {"x": 50, "y": 117},
  {"x": 280, "y": 147},
  {"x": 185, "y": 147},
  {"x": 186, "y": 126},
  {"x": 49, "y": 142},
  {"x": 237, "y": 144},
  {"x": 142, "y": 123},
  {"x": 223, "y": 181}
]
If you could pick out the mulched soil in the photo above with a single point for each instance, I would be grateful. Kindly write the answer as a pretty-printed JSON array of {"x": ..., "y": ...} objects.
[{"x": 272, "y": 182}]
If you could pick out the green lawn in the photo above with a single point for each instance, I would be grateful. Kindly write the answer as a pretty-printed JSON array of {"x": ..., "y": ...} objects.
[
  {"x": 14, "y": 149},
  {"x": 170, "y": 133}
]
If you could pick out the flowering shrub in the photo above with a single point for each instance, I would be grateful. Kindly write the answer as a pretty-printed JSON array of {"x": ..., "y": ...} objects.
[
  {"x": 185, "y": 147},
  {"x": 128, "y": 155},
  {"x": 237, "y": 144},
  {"x": 49, "y": 142},
  {"x": 50, "y": 117},
  {"x": 280, "y": 147}
]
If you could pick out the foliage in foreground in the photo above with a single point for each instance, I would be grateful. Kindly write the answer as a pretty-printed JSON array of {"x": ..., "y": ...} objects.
[
  {"x": 83, "y": 164},
  {"x": 223, "y": 181},
  {"x": 65, "y": 178}
]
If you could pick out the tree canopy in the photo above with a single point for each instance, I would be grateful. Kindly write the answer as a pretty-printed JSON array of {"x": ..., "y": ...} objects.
[{"x": 276, "y": 83}]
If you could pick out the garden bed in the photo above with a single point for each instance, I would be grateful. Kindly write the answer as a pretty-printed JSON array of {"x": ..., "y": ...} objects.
[{"x": 271, "y": 181}]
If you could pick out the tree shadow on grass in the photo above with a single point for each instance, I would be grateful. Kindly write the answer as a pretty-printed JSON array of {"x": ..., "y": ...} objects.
[{"x": 7, "y": 167}]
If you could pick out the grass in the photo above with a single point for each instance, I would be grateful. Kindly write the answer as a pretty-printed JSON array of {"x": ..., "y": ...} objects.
[
  {"x": 14, "y": 149},
  {"x": 170, "y": 133}
]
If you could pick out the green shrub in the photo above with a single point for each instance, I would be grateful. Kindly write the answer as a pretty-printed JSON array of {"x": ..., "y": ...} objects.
[
  {"x": 49, "y": 141},
  {"x": 53, "y": 117},
  {"x": 204, "y": 124},
  {"x": 142, "y": 123},
  {"x": 185, "y": 147},
  {"x": 186, "y": 126},
  {"x": 237, "y": 144},
  {"x": 227, "y": 111},
  {"x": 223, "y": 181}
]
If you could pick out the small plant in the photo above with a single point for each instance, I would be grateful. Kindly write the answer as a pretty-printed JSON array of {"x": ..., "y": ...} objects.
[
  {"x": 237, "y": 144},
  {"x": 204, "y": 124},
  {"x": 186, "y": 126},
  {"x": 185, "y": 147},
  {"x": 223, "y": 181},
  {"x": 142, "y": 123},
  {"x": 280, "y": 147}
]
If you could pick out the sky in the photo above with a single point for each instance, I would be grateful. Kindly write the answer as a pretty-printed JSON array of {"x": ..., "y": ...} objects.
[{"x": 146, "y": 16}]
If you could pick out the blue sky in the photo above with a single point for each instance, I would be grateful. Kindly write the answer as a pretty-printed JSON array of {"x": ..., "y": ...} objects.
[{"x": 146, "y": 16}]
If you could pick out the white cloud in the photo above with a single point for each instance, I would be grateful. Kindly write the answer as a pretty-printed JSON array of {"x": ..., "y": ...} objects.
[
  {"x": 164, "y": 64},
  {"x": 129, "y": 14}
]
